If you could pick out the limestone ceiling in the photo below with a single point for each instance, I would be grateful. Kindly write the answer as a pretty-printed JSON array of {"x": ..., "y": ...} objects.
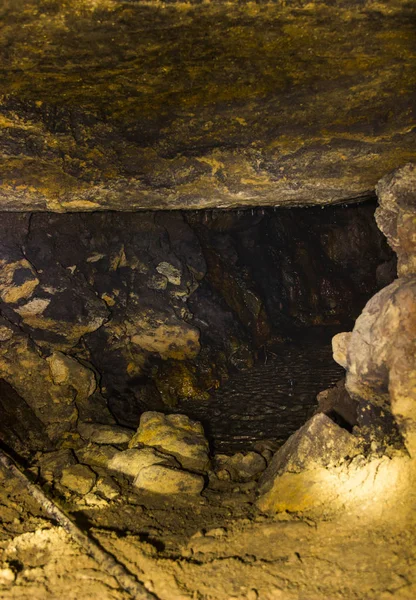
[{"x": 126, "y": 105}]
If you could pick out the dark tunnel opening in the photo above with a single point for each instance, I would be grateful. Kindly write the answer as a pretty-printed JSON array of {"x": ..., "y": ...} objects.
[{"x": 226, "y": 316}]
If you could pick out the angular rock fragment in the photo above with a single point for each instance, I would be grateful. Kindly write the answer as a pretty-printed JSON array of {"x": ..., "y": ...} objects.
[
  {"x": 319, "y": 443},
  {"x": 54, "y": 405},
  {"x": 395, "y": 215},
  {"x": 66, "y": 370},
  {"x": 164, "y": 480},
  {"x": 107, "y": 487},
  {"x": 78, "y": 478},
  {"x": 55, "y": 462},
  {"x": 174, "y": 434},
  {"x": 131, "y": 462}
]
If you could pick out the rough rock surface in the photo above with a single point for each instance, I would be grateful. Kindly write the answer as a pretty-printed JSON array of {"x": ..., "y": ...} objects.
[
  {"x": 380, "y": 353},
  {"x": 130, "y": 462},
  {"x": 99, "y": 433},
  {"x": 319, "y": 443},
  {"x": 241, "y": 466},
  {"x": 164, "y": 480},
  {"x": 23, "y": 367},
  {"x": 381, "y": 356},
  {"x": 337, "y": 403},
  {"x": 126, "y": 105},
  {"x": 94, "y": 274},
  {"x": 53, "y": 463},
  {"x": 96, "y": 455},
  {"x": 20, "y": 428},
  {"x": 78, "y": 478},
  {"x": 174, "y": 434},
  {"x": 396, "y": 215},
  {"x": 360, "y": 485},
  {"x": 107, "y": 487},
  {"x": 117, "y": 313}
]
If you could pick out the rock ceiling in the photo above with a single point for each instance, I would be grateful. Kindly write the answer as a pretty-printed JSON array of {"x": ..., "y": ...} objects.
[{"x": 119, "y": 105}]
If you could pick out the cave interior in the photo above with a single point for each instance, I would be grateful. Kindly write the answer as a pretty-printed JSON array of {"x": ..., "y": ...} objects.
[{"x": 207, "y": 300}]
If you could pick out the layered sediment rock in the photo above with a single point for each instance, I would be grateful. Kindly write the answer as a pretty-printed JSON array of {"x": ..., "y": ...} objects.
[{"x": 121, "y": 106}]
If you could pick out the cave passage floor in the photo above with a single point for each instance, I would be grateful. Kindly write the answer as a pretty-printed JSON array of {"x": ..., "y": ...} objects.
[{"x": 216, "y": 546}]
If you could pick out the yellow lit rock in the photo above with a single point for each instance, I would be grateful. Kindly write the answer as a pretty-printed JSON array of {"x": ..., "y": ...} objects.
[
  {"x": 174, "y": 434},
  {"x": 10, "y": 291}
]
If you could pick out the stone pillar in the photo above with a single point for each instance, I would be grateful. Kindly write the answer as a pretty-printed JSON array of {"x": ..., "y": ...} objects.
[{"x": 380, "y": 353}]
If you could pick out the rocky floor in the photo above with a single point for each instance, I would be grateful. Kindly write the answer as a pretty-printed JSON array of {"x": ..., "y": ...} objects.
[
  {"x": 216, "y": 547},
  {"x": 213, "y": 545}
]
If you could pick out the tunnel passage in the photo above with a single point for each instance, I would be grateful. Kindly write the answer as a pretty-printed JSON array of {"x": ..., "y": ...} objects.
[{"x": 226, "y": 316}]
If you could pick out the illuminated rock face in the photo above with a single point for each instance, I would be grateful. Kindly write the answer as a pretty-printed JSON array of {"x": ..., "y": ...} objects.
[{"x": 125, "y": 105}]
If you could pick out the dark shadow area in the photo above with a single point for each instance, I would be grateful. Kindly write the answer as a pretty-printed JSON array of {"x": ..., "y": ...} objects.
[{"x": 225, "y": 315}]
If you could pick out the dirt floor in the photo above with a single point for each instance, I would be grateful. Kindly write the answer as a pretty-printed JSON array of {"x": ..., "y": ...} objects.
[{"x": 217, "y": 546}]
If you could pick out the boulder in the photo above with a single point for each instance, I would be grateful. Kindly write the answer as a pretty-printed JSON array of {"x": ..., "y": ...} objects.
[
  {"x": 241, "y": 466},
  {"x": 174, "y": 434},
  {"x": 131, "y": 462},
  {"x": 78, "y": 478},
  {"x": 395, "y": 215},
  {"x": 381, "y": 355},
  {"x": 164, "y": 480},
  {"x": 319, "y": 443}
]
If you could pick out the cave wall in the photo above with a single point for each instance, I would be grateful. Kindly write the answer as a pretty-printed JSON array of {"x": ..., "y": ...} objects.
[
  {"x": 284, "y": 270},
  {"x": 105, "y": 315}
]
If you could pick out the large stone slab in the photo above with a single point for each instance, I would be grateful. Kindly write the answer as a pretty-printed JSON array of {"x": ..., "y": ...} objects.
[{"x": 126, "y": 105}]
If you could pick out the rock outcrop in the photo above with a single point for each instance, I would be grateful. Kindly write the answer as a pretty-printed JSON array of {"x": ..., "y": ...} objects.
[{"x": 380, "y": 353}]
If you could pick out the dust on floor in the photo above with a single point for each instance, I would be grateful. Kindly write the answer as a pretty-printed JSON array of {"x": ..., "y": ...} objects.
[{"x": 215, "y": 547}]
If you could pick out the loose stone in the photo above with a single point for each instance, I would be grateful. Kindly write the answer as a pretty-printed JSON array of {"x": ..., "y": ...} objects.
[{"x": 167, "y": 481}]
